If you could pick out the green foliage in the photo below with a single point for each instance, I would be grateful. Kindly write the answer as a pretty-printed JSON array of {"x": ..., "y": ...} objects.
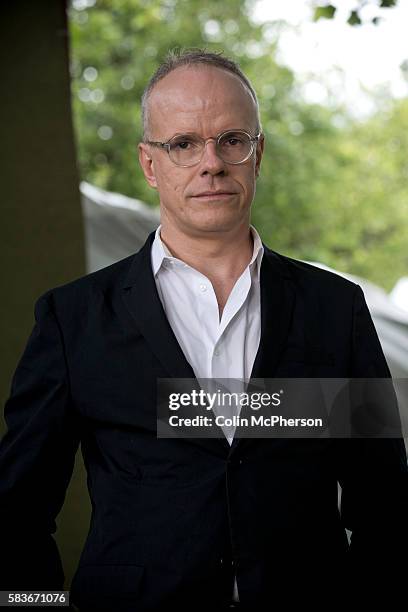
[
  {"x": 328, "y": 11},
  {"x": 375, "y": 203},
  {"x": 354, "y": 18},
  {"x": 331, "y": 194},
  {"x": 324, "y": 12}
]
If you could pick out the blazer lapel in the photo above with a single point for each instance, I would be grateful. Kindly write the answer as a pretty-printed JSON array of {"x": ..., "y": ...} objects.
[
  {"x": 277, "y": 304},
  {"x": 143, "y": 302}
]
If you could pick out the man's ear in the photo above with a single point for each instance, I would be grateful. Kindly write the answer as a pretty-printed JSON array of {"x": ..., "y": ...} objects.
[
  {"x": 147, "y": 164},
  {"x": 258, "y": 155}
]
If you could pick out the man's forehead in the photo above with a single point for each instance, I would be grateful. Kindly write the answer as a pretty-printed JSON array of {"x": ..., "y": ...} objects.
[
  {"x": 199, "y": 74},
  {"x": 199, "y": 84},
  {"x": 193, "y": 89}
]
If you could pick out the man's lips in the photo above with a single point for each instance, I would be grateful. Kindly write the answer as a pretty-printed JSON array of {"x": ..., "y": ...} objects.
[{"x": 213, "y": 195}]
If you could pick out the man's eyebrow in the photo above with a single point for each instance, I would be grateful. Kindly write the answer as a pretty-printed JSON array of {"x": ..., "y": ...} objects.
[
  {"x": 193, "y": 133},
  {"x": 167, "y": 138},
  {"x": 186, "y": 133}
]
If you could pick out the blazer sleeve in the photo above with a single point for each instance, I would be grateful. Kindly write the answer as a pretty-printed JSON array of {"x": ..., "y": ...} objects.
[
  {"x": 373, "y": 475},
  {"x": 37, "y": 455}
]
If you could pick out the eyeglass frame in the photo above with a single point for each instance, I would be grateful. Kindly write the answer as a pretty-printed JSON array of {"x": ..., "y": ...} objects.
[{"x": 166, "y": 145}]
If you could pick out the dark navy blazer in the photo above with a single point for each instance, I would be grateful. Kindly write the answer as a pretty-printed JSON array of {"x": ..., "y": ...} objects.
[{"x": 173, "y": 520}]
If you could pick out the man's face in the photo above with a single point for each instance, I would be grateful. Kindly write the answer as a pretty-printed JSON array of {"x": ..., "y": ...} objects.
[{"x": 204, "y": 101}]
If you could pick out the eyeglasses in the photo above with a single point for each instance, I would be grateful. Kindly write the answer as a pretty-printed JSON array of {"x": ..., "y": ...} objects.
[{"x": 232, "y": 146}]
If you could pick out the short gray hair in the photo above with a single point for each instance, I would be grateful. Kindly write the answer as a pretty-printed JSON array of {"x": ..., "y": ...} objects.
[{"x": 190, "y": 57}]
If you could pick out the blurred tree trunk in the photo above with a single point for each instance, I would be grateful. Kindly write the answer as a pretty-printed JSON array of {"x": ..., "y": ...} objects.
[{"x": 42, "y": 241}]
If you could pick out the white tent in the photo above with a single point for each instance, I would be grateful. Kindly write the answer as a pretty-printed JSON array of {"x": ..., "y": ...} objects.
[
  {"x": 391, "y": 322},
  {"x": 115, "y": 226}
]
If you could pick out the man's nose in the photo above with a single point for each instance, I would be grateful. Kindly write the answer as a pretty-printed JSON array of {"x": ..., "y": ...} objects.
[{"x": 211, "y": 162}]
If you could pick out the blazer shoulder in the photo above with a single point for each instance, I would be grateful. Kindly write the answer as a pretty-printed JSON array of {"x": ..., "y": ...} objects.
[
  {"x": 84, "y": 289},
  {"x": 312, "y": 276}
]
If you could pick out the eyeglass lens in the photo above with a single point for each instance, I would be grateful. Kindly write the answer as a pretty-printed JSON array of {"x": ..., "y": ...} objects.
[{"x": 232, "y": 147}]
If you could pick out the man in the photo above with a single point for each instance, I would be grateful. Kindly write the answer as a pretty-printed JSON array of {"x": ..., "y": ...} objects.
[{"x": 198, "y": 523}]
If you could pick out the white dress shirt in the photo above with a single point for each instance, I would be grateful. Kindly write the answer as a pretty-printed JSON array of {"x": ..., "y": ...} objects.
[{"x": 215, "y": 349}]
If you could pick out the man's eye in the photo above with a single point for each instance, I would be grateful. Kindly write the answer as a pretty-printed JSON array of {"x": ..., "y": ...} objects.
[
  {"x": 183, "y": 145},
  {"x": 232, "y": 141}
]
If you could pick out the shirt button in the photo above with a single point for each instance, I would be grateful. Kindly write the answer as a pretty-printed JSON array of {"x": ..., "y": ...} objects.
[
  {"x": 216, "y": 352},
  {"x": 203, "y": 287}
]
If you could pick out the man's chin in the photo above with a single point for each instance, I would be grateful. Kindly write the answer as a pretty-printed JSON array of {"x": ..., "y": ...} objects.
[{"x": 219, "y": 224}]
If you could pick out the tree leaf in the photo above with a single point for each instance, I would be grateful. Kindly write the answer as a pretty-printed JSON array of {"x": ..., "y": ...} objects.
[
  {"x": 354, "y": 19},
  {"x": 324, "y": 12}
]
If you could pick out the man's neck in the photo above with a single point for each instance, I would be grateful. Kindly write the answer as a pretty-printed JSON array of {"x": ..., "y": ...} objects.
[{"x": 222, "y": 257}]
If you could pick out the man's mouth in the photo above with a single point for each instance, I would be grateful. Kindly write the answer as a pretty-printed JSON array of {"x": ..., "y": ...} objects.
[{"x": 213, "y": 195}]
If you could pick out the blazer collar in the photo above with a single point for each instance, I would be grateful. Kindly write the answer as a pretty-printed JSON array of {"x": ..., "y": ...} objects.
[{"x": 143, "y": 302}]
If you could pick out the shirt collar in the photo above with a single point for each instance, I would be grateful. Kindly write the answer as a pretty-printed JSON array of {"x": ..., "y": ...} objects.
[{"x": 160, "y": 253}]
